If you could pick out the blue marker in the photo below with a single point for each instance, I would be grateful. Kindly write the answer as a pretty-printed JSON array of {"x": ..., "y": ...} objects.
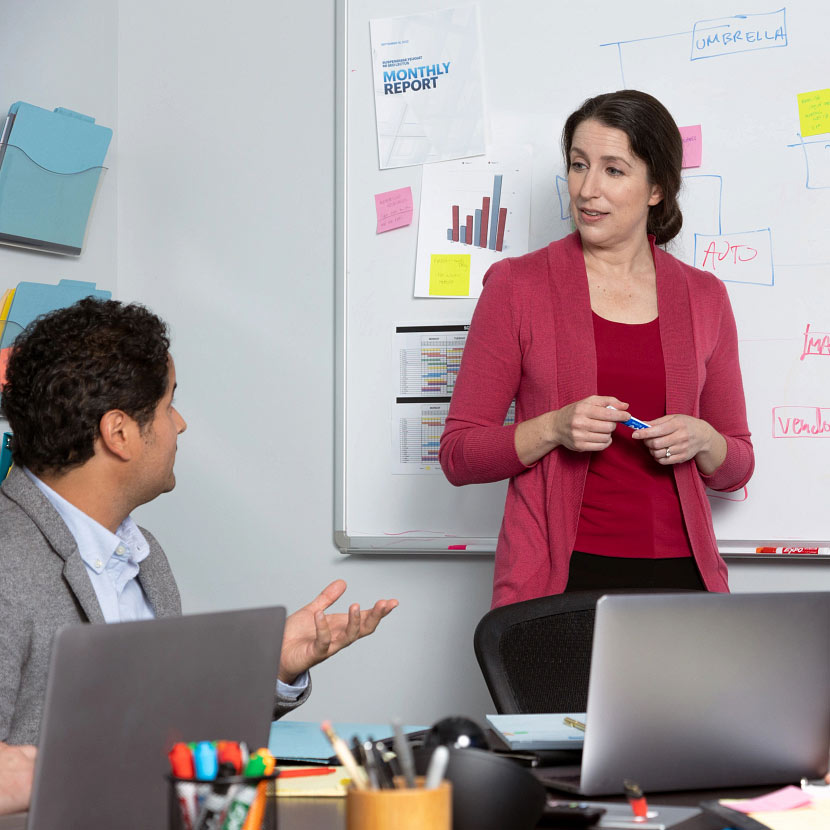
[
  {"x": 636, "y": 423},
  {"x": 632, "y": 422},
  {"x": 205, "y": 761}
]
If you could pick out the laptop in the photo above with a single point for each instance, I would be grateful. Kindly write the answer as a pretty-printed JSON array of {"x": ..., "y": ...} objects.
[
  {"x": 699, "y": 690},
  {"x": 119, "y": 696}
]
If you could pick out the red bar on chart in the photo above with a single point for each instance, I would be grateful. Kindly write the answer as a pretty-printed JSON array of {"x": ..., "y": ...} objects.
[
  {"x": 500, "y": 231},
  {"x": 455, "y": 223},
  {"x": 485, "y": 213},
  {"x": 469, "y": 237}
]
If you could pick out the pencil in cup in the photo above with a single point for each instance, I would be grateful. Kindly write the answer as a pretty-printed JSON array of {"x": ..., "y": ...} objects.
[{"x": 405, "y": 808}]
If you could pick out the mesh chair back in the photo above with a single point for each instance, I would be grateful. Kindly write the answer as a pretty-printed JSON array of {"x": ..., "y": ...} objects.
[{"x": 536, "y": 655}]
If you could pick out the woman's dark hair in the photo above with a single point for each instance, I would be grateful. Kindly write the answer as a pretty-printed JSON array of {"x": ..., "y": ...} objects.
[
  {"x": 653, "y": 136},
  {"x": 71, "y": 366}
]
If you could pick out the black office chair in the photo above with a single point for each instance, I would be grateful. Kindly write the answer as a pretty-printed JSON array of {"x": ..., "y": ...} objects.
[{"x": 536, "y": 655}]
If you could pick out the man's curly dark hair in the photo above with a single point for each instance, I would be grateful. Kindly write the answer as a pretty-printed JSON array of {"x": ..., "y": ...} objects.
[{"x": 71, "y": 366}]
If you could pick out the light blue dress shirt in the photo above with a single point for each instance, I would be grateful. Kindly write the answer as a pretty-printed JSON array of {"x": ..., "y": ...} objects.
[
  {"x": 112, "y": 563},
  {"x": 112, "y": 559}
]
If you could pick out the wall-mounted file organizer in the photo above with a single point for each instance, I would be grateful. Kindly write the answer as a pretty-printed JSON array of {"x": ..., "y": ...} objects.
[
  {"x": 31, "y": 299},
  {"x": 51, "y": 169}
]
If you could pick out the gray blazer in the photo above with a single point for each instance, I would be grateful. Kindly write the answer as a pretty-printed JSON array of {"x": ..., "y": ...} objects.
[{"x": 44, "y": 585}]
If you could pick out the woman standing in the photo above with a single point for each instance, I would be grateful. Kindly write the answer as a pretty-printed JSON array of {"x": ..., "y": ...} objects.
[{"x": 600, "y": 319}]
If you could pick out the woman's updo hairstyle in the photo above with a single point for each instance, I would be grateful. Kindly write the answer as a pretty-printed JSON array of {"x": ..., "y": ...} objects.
[{"x": 653, "y": 136}]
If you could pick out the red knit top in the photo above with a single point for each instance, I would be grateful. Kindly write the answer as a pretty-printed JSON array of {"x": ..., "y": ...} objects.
[{"x": 630, "y": 505}]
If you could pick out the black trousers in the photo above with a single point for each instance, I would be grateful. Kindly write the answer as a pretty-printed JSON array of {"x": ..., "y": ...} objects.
[{"x": 589, "y": 572}]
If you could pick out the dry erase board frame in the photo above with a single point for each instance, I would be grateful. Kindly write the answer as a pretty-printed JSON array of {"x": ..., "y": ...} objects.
[{"x": 761, "y": 188}]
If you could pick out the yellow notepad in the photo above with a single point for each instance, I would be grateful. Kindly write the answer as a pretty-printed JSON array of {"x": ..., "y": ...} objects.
[{"x": 333, "y": 784}]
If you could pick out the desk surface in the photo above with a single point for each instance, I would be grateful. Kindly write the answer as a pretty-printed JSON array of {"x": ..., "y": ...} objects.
[{"x": 330, "y": 813}]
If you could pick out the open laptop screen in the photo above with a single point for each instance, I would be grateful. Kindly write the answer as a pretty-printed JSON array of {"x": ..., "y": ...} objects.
[
  {"x": 120, "y": 695},
  {"x": 707, "y": 690}
]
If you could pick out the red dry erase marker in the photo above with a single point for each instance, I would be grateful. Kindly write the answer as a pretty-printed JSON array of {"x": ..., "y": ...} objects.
[
  {"x": 817, "y": 551},
  {"x": 635, "y": 798},
  {"x": 181, "y": 761},
  {"x": 228, "y": 752}
]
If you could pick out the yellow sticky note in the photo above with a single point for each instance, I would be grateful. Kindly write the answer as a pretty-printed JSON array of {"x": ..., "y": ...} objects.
[
  {"x": 449, "y": 275},
  {"x": 814, "y": 112},
  {"x": 814, "y": 817}
]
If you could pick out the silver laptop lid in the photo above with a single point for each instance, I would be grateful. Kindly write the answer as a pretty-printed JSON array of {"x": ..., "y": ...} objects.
[
  {"x": 707, "y": 690},
  {"x": 119, "y": 696}
]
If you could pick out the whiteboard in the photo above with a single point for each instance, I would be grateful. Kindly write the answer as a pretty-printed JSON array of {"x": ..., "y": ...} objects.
[{"x": 756, "y": 212}]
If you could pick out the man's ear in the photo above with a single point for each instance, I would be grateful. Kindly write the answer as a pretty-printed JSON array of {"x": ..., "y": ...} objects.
[{"x": 117, "y": 433}]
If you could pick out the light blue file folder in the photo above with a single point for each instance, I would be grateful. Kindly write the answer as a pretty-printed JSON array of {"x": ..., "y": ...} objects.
[
  {"x": 50, "y": 171},
  {"x": 34, "y": 298},
  {"x": 303, "y": 740}
]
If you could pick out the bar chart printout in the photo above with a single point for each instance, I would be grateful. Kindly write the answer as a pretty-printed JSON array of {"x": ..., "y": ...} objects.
[
  {"x": 473, "y": 212},
  {"x": 489, "y": 216}
]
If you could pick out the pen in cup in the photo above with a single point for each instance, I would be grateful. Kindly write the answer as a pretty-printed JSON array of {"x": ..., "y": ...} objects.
[
  {"x": 437, "y": 767},
  {"x": 385, "y": 759},
  {"x": 403, "y": 751},
  {"x": 344, "y": 754},
  {"x": 371, "y": 766}
]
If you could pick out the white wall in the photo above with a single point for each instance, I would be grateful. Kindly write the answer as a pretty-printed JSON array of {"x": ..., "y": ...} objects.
[{"x": 226, "y": 179}]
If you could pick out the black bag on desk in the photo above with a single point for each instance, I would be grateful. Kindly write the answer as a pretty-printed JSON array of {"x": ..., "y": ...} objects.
[{"x": 489, "y": 792}]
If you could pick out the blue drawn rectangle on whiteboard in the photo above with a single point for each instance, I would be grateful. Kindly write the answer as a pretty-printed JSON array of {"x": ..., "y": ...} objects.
[
  {"x": 740, "y": 33},
  {"x": 564, "y": 198},
  {"x": 817, "y": 161}
]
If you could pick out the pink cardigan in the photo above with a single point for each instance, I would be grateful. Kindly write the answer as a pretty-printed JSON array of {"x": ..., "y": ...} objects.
[{"x": 532, "y": 338}]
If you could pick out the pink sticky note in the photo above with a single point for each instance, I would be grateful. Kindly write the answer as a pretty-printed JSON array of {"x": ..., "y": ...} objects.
[
  {"x": 394, "y": 209},
  {"x": 692, "y": 145},
  {"x": 787, "y": 798}
]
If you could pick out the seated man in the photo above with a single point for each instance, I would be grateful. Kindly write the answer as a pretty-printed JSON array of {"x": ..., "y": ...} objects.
[{"x": 89, "y": 399}]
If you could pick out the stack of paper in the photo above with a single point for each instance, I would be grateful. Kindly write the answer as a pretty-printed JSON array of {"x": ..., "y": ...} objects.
[{"x": 536, "y": 732}]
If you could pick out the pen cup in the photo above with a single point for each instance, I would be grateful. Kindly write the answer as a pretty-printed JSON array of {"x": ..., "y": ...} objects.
[
  {"x": 244, "y": 803},
  {"x": 400, "y": 809}
]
